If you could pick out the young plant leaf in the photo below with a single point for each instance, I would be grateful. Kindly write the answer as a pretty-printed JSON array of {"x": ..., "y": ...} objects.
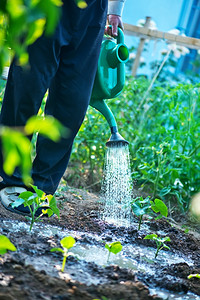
[
  {"x": 158, "y": 206},
  {"x": 150, "y": 236},
  {"x": 39, "y": 192},
  {"x": 194, "y": 276},
  {"x": 48, "y": 126},
  {"x": 17, "y": 203},
  {"x": 114, "y": 248},
  {"x": 5, "y": 245},
  {"x": 140, "y": 206},
  {"x": 68, "y": 242},
  {"x": 57, "y": 249}
]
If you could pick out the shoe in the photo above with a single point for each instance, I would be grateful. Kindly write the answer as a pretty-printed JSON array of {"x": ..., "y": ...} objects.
[{"x": 10, "y": 194}]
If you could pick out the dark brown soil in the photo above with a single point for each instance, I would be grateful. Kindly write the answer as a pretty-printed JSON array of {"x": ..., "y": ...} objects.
[{"x": 33, "y": 271}]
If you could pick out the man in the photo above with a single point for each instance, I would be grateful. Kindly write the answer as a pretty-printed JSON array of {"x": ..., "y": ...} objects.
[{"x": 65, "y": 64}]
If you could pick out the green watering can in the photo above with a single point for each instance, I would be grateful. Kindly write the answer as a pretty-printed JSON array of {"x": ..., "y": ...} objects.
[{"x": 109, "y": 81}]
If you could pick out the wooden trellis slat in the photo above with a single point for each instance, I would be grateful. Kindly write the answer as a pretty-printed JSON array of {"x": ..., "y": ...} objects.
[{"x": 147, "y": 33}]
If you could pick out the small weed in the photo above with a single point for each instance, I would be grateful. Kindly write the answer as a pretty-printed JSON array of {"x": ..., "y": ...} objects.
[
  {"x": 160, "y": 242},
  {"x": 5, "y": 245},
  {"x": 67, "y": 243},
  {"x": 37, "y": 201},
  {"x": 114, "y": 248}
]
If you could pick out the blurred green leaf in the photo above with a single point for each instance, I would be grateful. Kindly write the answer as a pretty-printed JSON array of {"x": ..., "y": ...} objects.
[
  {"x": 5, "y": 245},
  {"x": 47, "y": 126}
]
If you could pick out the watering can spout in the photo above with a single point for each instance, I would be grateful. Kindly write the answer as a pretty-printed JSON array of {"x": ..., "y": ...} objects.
[{"x": 116, "y": 139}]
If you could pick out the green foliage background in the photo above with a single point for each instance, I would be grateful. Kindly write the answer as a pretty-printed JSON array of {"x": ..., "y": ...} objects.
[
  {"x": 22, "y": 22},
  {"x": 163, "y": 131},
  {"x": 164, "y": 137}
]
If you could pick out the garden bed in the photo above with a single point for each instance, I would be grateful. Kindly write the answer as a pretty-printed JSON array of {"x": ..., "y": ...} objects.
[{"x": 33, "y": 272}]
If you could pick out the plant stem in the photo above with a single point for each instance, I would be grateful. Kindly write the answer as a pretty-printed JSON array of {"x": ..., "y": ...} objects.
[
  {"x": 157, "y": 175},
  {"x": 140, "y": 222},
  {"x": 108, "y": 257},
  {"x": 156, "y": 254},
  {"x": 158, "y": 249},
  {"x": 32, "y": 217},
  {"x": 63, "y": 263}
]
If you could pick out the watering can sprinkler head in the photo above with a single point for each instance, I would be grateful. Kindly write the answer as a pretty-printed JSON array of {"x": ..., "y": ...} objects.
[{"x": 116, "y": 139}]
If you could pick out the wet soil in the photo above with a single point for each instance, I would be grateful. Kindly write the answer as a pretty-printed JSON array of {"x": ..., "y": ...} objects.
[{"x": 33, "y": 272}]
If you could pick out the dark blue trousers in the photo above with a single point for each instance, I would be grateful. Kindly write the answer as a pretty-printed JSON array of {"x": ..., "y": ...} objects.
[{"x": 65, "y": 65}]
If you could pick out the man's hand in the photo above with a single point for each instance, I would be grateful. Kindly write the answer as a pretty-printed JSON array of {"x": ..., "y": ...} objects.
[{"x": 115, "y": 21}]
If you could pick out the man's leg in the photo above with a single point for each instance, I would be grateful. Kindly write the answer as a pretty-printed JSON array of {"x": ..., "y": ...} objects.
[
  {"x": 69, "y": 92},
  {"x": 69, "y": 96},
  {"x": 24, "y": 92}
]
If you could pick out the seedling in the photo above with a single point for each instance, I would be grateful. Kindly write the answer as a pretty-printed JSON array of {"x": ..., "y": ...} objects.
[
  {"x": 67, "y": 243},
  {"x": 140, "y": 207},
  {"x": 37, "y": 202},
  {"x": 114, "y": 247},
  {"x": 194, "y": 276},
  {"x": 5, "y": 245},
  {"x": 160, "y": 242},
  {"x": 158, "y": 206}
]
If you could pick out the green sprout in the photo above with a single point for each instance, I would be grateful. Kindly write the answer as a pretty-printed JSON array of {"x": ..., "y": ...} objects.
[
  {"x": 114, "y": 248},
  {"x": 5, "y": 245},
  {"x": 141, "y": 206},
  {"x": 38, "y": 201},
  {"x": 194, "y": 276},
  {"x": 160, "y": 242},
  {"x": 67, "y": 243}
]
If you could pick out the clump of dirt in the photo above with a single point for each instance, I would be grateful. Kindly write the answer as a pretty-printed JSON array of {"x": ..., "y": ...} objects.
[{"x": 33, "y": 272}]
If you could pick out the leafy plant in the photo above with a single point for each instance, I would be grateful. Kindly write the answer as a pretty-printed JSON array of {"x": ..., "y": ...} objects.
[
  {"x": 5, "y": 245},
  {"x": 114, "y": 248},
  {"x": 194, "y": 276},
  {"x": 140, "y": 207},
  {"x": 160, "y": 242},
  {"x": 37, "y": 202},
  {"x": 66, "y": 243}
]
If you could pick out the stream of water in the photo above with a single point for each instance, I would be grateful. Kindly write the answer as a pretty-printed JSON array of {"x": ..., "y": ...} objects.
[{"x": 116, "y": 186}]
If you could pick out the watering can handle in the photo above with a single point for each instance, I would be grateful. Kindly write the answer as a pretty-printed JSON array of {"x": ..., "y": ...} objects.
[
  {"x": 116, "y": 59},
  {"x": 120, "y": 35}
]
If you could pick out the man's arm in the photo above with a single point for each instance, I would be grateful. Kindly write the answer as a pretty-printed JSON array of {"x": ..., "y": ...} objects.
[{"x": 115, "y": 9}]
